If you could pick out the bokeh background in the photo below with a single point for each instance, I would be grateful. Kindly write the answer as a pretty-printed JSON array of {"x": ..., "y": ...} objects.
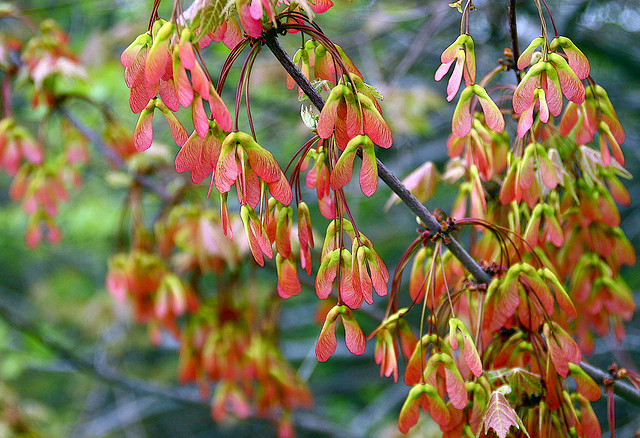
[{"x": 77, "y": 366}]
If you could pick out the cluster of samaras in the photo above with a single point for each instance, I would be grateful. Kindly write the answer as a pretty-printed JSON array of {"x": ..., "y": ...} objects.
[{"x": 549, "y": 235}]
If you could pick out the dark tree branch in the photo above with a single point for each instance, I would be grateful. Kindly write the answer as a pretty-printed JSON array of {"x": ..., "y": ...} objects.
[
  {"x": 513, "y": 36},
  {"x": 621, "y": 389}
]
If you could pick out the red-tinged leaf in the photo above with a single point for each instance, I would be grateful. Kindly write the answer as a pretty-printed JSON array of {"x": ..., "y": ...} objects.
[
  {"x": 324, "y": 65},
  {"x": 151, "y": 90},
  {"x": 525, "y": 121},
  {"x": 553, "y": 90},
  {"x": 533, "y": 281},
  {"x": 588, "y": 419},
  {"x": 201, "y": 84},
  {"x": 353, "y": 334},
  {"x": 250, "y": 25},
  {"x": 327, "y": 342},
  {"x": 417, "y": 279},
  {"x": 157, "y": 60},
  {"x": 328, "y": 115},
  {"x": 342, "y": 171},
  {"x": 327, "y": 273},
  {"x": 492, "y": 115},
  {"x": 347, "y": 292},
  {"x": 449, "y": 54},
  {"x": 361, "y": 279},
  {"x": 443, "y": 70},
  {"x": 586, "y": 385},
  {"x": 410, "y": 412},
  {"x": 31, "y": 150},
  {"x": 288, "y": 282},
  {"x": 281, "y": 190},
  {"x": 471, "y": 356},
  {"x": 548, "y": 172},
  {"x": 571, "y": 85},
  {"x": 508, "y": 192},
  {"x": 340, "y": 132},
  {"x": 134, "y": 73},
  {"x": 544, "y": 108},
  {"x": 570, "y": 119},
  {"x": 437, "y": 407},
  {"x": 185, "y": 49},
  {"x": 260, "y": 159},
  {"x": 386, "y": 354},
  {"x": 138, "y": 99},
  {"x": 219, "y": 110},
  {"x": 199, "y": 116},
  {"x": 605, "y": 133},
  {"x": 500, "y": 416},
  {"x": 227, "y": 230},
  {"x": 254, "y": 245},
  {"x": 469, "y": 72},
  {"x": 624, "y": 251},
  {"x": 454, "y": 81},
  {"x": 562, "y": 348},
  {"x": 618, "y": 191},
  {"x": 143, "y": 134},
  {"x": 414, "y": 371},
  {"x": 527, "y": 171},
  {"x": 553, "y": 232},
  {"x": 251, "y": 188},
  {"x": 369, "y": 170},
  {"x": 233, "y": 34},
  {"x": 283, "y": 232},
  {"x": 227, "y": 168},
  {"x": 305, "y": 259},
  {"x": 208, "y": 156},
  {"x": 261, "y": 235},
  {"x": 320, "y": 6},
  {"x": 305, "y": 232},
  {"x": 379, "y": 273},
  {"x": 506, "y": 300},
  {"x": 131, "y": 52},
  {"x": 168, "y": 95},
  {"x": 577, "y": 61},
  {"x": 351, "y": 124},
  {"x": 524, "y": 95},
  {"x": 533, "y": 227},
  {"x": 454, "y": 382},
  {"x": 525, "y": 58},
  {"x": 178, "y": 132},
  {"x": 189, "y": 156},
  {"x": 610, "y": 214},
  {"x": 462, "y": 119},
  {"x": 374, "y": 125}
]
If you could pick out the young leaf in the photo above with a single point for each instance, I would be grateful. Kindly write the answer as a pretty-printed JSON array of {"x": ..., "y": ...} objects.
[{"x": 500, "y": 416}]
